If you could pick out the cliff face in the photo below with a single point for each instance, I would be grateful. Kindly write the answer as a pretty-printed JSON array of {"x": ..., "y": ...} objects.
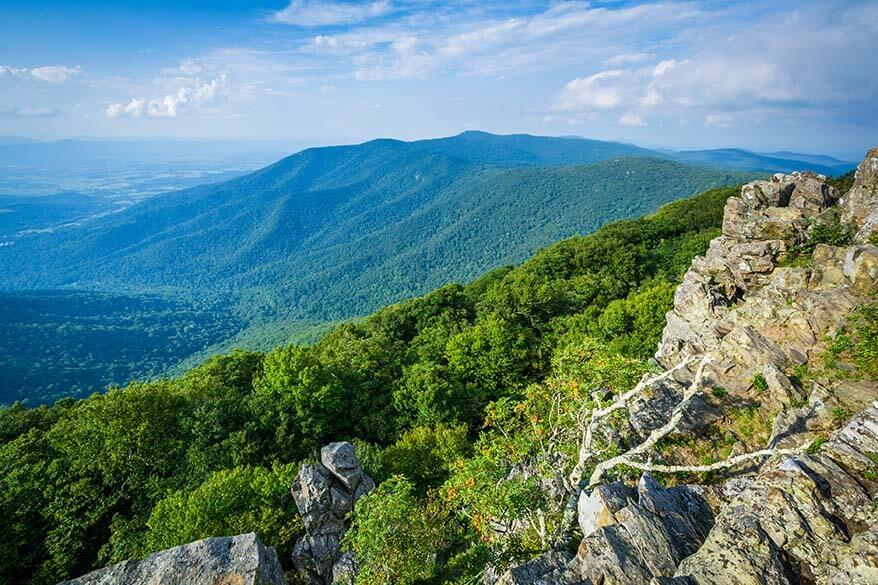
[{"x": 754, "y": 315}]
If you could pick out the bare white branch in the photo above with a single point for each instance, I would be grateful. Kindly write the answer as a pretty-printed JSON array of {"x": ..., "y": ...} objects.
[
  {"x": 724, "y": 464},
  {"x": 597, "y": 415},
  {"x": 657, "y": 434}
]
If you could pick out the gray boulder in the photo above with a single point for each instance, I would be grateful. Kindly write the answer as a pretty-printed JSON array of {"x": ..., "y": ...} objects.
[
  {"x": 860, "y": 204},
  {"x": 341, "y": 460},
  {"x": 598, "y": 508},
  {"x": 325, "y": 494},
  {"x": 631, "y": 536},
  {"x": 814, "y": 515},
  {"x": 225, "y": 560},
  {"x": 548, "y": 569},
  {"x": 647, "y": 538}
]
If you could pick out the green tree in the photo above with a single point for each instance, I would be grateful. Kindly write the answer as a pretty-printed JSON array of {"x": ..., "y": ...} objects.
[
  {"x": 394, "y": 539},
  {"x": 426, "y": 455},
  {"x": 492, "y": 358},
  {"x": 430, "y": 393},
  {"x": 229, "y": 502}
]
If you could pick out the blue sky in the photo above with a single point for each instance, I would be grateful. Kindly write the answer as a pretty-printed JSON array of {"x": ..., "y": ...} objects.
[{"x": 679, "y": 74}]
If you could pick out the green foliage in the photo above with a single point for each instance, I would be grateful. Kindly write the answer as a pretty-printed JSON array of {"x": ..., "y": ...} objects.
[
  {"x": 856, "y": 343},
  {"x": 865, "y": 321},
  {"x": 231, "y": 501},
  {"x": 426, "y": 455},
  {"x": 872, "y": 470},
  {"x": 632, "y": 325},
  {"x": 841, "y": 414},
  {"x": 719, "y": 392},
  {"x": 816, "y": 445},
  {"x": 494, "y": 356},
  {"x": 759, "y": 383},
  {"x": 751, "y": 424},
  {"x": 829, "y": 230},
  {"x": 843, "y": 182},
  {"x": 64, "y": 343},
  {"x": 394, "y": 539}
]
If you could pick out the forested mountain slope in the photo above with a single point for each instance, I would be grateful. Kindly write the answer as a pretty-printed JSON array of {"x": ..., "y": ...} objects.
[
  {"x": 20, "y": 214},
  {"x": 778, "y": 162},
  {"x": 320, "y": 236},
  {"x": 333, "y": 232}
]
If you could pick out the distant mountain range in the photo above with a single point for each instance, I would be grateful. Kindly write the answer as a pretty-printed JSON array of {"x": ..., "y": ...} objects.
[
  {"x": 776, "y": 162},
  {"x": 330, "y": 233},
  {"x": 336, "y": 231}
]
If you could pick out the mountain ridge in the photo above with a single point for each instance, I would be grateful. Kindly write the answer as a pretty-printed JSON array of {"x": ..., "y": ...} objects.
[{"x": 333, "y": 232}]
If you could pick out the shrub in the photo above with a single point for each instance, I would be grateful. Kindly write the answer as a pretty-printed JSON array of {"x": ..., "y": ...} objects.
[{"x": 394, "y": 539}]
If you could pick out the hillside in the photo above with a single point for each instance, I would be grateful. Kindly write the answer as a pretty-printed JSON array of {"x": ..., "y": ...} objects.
[
  {"x": 323, "y": 235},
  {"x": 19, "y": 214},
  {"x": 777, "y": 162},
  {"x": 385, "y": 219}
]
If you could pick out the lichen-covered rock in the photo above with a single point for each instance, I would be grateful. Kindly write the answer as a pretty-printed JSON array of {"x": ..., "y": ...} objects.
[
  {"x": 648, "y": 538},
  {"x": 758, "y": 319},
  {"x": 225, "y": 560},
  {"x": 809, "y": 516},
  {"x": 860, "y": 204},
  {"x": 325, "y": 494},
  {"x": 344, "y": 571}
]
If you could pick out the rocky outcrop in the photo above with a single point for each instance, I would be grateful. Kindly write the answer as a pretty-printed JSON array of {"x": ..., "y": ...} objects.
[
  {"x": 325, "y": 494},
  {"x": 808, "y": 519},
  {"x": 227, "y": 560},
  {"x": 860, "y": 204},
  {"x": 754, "y": 317},
  {"x": 646, "y": 538},
  {"x": 630, "y": 536}
]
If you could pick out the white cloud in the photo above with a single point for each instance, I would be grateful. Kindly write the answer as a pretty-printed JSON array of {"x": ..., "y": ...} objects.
[
  {"x": 630, "y": 119},
  {"x": 719, "y": 120},
  {"x": 46, "y": 73},
  {"x": 186, "y": 68},
  {"x": 803, "y": 60},
  {"x": 191, "y": 97},
  {"x": 603, "y": 90},
  {"x": 626, "y": 58},
  {"x": 663, "y": 67},
  {"x": 329, "y": 12},
  {"x": 549, "y": 39},
  {"x": 699, "y": 82}
]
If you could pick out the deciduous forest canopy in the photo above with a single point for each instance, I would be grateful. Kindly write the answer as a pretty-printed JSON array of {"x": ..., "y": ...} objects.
[{"x": 432, "y": 389}]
